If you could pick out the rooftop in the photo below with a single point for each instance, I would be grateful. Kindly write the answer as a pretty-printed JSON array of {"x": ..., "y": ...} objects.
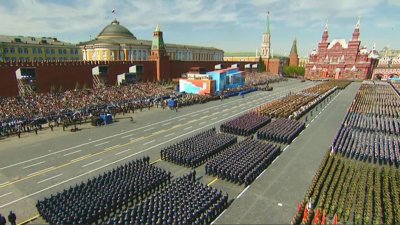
[{"x": 32, "y": 40}]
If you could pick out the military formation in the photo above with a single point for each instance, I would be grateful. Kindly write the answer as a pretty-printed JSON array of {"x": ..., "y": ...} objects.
[
  {"x": 194, "y": 151},
  {"x": 245, "y": 125},
  {"x": 243, "y": 162},
  {"x": 101, "y": 196},
  {"x": 184, "y": 201},
  {"x": 281, "y": 130},
  {"x": 371, "y": 128},
  {"x": 296, "y": 104}
]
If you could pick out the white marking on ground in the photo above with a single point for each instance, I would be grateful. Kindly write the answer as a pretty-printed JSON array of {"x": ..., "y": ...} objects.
[
  {"x": 91, "y": 163},
  {"x": 129, "y": 135},
  {"x": 33, "y": 165},
  {"x": 103, "y": 143},
  {"x": 151, "y": 128},
  {"x": 165, "y": 124},
  {"x": 169, "y": 134},
  {"x": 285, "y": 148},
  {"x": 118, "y": 153},
  {"x": 149, "y": 142},
  {"x": 275, "y": 159},
  {"x": 187, "y": 128},
  {"x": 72, "y": 152},
  {"x": 50, "y": 178},
  {"x": 218, "y": 217},
  {"x": 4, "y": 195},
  {"x": 241, "y": 193}
]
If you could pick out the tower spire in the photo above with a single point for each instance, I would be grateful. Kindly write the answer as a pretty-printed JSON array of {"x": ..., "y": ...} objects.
[
  {"x": 267, "y": 30},
  {"x": 266, "y": 41},
  {"x": 294, "y": 47},
  {"x": 325, "y": 34},
  {"x": 356, "y": 32}
]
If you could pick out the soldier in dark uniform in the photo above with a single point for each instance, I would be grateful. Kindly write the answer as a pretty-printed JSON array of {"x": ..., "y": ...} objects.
[{"x": 12, "y": 218}]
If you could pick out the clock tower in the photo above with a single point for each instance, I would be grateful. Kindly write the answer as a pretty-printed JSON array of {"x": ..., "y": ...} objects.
[{"x": 159, "y": 54}]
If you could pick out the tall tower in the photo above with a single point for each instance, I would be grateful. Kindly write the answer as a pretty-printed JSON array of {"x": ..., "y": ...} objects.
[
  {"x": 356, "y": 32},
  {"x": 266, "y": 42},
  {"x": 293, "y": 56},
  {"x": 158, "y": 46},
  {"x": 159, "y": 54}
]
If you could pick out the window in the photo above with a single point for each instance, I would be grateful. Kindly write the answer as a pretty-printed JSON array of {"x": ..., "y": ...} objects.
[
  {"x": 71, "y": 51},
  {"x": 47, "y": 51},
  {"x": 7, "y": 59},
  {"x": 34, "y": 59},
  {"x": 76, "y": 51},
  {"x": 48, "y": 58},
  {"x": 20, "y": 50},
  {"x": 53, "y": 52},
  {"x": 40, "y": 51},
  {"x": 13, "y": 59},
  {"x": 27, "y": 59},
  {"x": 21, "y": 59},
  {"x": 64, "y": 51},
  {"x": 26, "y": 50},
  {"x": 12, "y": 50},
  {"x": 60, "y": 51},
  {"x": 40, "y": 59},
  {"x": 5, "y": 50},
  {"x": 34, "y": 51}
]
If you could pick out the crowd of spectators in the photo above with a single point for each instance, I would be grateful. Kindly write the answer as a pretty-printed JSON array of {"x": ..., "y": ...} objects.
[
  {"x": 106, "y": 194},
  {"x": 19, "y": 114},
  {"x": 281, "y": 130},
  {"x": 184, "y": 201},
  {"x": 370, "y": 131},
  {"x": 195, "y": 150},
  {"x": 245, "y": 125},
  {"x": 256, "y": 78},
  {"x": 243, "y": 161}
]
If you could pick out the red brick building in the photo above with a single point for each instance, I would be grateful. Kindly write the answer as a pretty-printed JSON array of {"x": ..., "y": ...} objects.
[{"x": 339, "y": 59}]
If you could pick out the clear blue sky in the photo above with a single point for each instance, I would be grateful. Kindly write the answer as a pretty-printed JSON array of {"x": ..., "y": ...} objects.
[{"x": 232, "y": 25}]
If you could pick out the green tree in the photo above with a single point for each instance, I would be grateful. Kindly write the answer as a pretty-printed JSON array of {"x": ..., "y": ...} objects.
[
  {"x": 294, "y": 71},
  {"x": 261, "y": 65}
]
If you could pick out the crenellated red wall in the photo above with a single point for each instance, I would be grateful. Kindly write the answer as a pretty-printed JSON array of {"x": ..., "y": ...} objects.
[{"x": 67, "y": 74}]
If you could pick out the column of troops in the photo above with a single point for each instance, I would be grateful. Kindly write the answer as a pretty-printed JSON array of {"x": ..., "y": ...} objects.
[
  {"x": 194, "y": 151},
  {"x": 370, "y": 131},
  {"x": 245, "y": 125},
  {"x": 184, "y": 201},
  {"x": 281, "y": 130},
  {"x": 243, "y": 161},
  {"x": 98, "y": 198}
]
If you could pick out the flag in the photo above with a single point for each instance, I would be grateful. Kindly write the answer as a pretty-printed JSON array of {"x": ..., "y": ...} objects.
[
  {"x": 335, "y": 220},
  {"x": 323, "y": 220},
  {"x": 299, "y": 207},
  {"x": 316, "y": 218},
  {"x": 305, "y": 215}
]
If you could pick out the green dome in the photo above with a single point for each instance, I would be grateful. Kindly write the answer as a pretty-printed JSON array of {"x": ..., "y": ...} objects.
[{"x": 114, "y": 30}]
